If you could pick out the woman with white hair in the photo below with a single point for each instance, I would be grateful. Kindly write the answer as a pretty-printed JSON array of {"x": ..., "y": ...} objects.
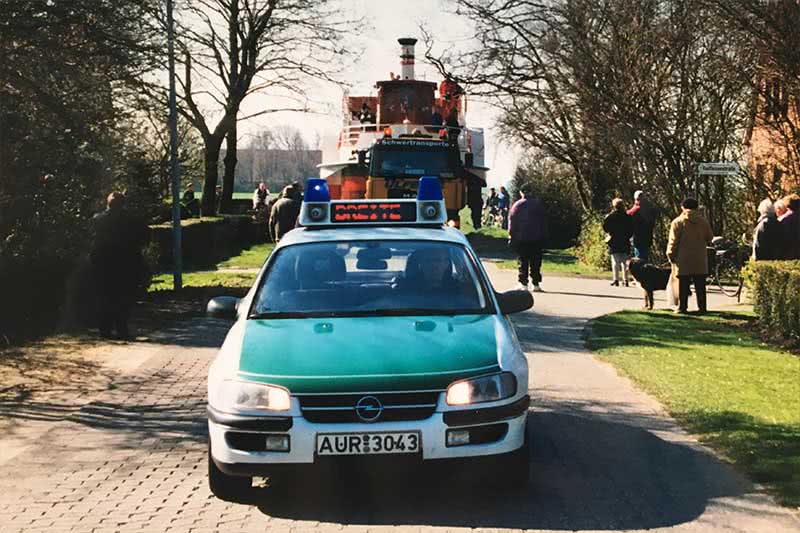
[{"x": 767, "y": 235}]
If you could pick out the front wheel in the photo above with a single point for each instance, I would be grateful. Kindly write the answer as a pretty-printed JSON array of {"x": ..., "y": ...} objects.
[
  {"x": 728, "y": 276},
  {"x": 235, "y": 489}
]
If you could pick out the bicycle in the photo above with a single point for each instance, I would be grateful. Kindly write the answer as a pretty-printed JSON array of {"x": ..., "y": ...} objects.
[
  {"x": 492, "y": 217},
  {"x": 726, "y": 260}
]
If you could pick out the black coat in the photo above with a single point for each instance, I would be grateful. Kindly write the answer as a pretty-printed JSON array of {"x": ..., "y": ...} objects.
[
  {"x": 283, "y": 217},
  {"x": 619, "y": 225},
  {"x": 117, "y": 241},
  {"x": 768, "y": 239}
]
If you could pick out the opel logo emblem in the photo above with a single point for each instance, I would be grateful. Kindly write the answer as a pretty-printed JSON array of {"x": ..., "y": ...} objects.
[{"x": 369, "y": 408}]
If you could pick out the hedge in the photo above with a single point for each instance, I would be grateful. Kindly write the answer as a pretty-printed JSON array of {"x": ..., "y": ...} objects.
[
  {"x": 204, "y": 241},
  {"x": 775, "y": 293},
  {"x": 46, "y": 294}
]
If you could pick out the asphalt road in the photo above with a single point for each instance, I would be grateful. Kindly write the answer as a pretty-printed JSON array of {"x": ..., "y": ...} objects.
[{"x": 604, "y": 456}]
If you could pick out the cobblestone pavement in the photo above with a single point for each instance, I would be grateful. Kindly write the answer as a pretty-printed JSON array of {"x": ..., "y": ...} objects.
[{"x": 604, "y": 456}]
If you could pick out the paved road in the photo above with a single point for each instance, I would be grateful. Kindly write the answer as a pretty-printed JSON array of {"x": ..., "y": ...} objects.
[{"x": 604, "y": 456}]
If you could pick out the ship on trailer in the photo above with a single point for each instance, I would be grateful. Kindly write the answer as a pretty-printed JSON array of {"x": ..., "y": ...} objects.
[{"x": 410, "y": 128}]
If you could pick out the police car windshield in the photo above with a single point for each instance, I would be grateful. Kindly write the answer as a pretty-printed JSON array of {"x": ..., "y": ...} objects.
[{"x": 361, "y": 278}]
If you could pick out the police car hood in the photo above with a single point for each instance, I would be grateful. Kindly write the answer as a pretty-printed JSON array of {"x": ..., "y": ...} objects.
[{"x": 368, "y": 354}]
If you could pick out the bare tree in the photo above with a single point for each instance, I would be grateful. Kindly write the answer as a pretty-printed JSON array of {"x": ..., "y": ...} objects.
[
  {"x": 268, "y": 46},
  {"x": 626, "y": 93},
  {"x": 771, "y": 29}
]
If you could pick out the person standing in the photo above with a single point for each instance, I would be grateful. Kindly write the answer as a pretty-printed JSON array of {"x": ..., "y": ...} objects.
[
  {"x": 117, "y": 263},
  {"x": 619, "y": 227},
  {"x": 284, "y": 213},
  {"x": 475, "y": 186},
  {"x": 453, "y": 126},
  {"x": 644, "y": 221},
  {"x": 768, "y": 235},
  {"x": 260, "y": 196},
  {"x": 790, "y": 226},
  {"x": 436, "y": 118},
  {"x": 689, "y": 237},
  {"x": 503, "y": 204},
  {"x": 527, "y": 230},
  {"x": 190, "y": 203}
]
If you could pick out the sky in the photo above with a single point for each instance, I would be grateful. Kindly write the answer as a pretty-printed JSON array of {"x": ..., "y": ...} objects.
[{"x": 386, "y": 21}]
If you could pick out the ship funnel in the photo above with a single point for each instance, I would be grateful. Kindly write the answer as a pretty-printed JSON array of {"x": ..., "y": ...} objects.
[{"x": 407, "y": 58}]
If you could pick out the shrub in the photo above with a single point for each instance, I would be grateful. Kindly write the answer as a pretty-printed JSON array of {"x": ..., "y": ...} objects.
[
  {"x": 548, "y": 181},
  {"x": 592, "y": 249},
  {"x": 205, "y": 241},
  {"x": 775, "y": 293}
]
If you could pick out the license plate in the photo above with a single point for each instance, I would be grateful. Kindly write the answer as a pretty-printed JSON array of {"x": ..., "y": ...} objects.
[{"x": 367, "y": 443}]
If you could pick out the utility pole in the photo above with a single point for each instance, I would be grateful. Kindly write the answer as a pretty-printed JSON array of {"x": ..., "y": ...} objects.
[{"x": 177, "y": 274}]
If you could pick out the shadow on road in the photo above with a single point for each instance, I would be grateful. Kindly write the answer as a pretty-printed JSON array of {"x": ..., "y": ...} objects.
[
  {"x": 586, "y": 473},
  {"x": 549, "y": 333}
]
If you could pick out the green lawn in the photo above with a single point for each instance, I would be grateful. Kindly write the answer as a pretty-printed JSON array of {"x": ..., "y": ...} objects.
[
  {"x": 738, "y": 395},
  {"x": 253, "y": 257},
  {"x": 492, "y": 243},
  {"x": 163, "y": 282}
]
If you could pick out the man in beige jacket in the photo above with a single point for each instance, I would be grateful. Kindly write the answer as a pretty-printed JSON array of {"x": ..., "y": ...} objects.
[{"x": 689, "y": 236}]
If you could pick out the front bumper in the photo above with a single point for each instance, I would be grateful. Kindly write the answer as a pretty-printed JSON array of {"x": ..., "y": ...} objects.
[{"x": 303, "y": 436}]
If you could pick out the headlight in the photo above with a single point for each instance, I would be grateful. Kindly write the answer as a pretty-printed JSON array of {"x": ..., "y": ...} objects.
[
  {"x": 485, "y": 389},
  {"x": 250, "y": 396}
]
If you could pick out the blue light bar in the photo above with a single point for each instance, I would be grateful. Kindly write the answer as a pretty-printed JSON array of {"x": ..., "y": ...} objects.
[
  {"x": 317, "y": 190},
  {"x": 429, "y": 190}
]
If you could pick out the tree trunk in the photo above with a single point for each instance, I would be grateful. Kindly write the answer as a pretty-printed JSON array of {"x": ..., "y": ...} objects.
[
  {"x": 208, "y": 203},
  {"x": 228, "y": 180}
]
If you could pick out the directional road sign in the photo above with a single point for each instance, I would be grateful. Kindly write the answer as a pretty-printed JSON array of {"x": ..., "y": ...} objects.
[{"x": 724, "y": 168}]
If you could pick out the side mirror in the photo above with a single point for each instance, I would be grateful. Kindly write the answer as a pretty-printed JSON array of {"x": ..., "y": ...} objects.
[
  {"x": 222, "y": 307},
  {"x": 514, "y": 301}
]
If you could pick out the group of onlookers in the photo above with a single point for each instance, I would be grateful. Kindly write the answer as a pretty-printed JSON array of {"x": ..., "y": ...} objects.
[
  {"x": 283, "y": 211},
  {"x": 776, "y": 236},
  {"x": 777, "y": 233},
  {"x": 622, "y": 226},
  {"x": 497, "y": 205}
]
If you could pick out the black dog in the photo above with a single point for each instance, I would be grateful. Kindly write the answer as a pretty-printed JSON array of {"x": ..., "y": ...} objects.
[{"x": 650, "y": 277}]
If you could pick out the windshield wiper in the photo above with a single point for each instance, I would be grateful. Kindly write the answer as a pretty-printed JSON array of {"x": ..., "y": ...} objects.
[{"x": 415, "y": 311}]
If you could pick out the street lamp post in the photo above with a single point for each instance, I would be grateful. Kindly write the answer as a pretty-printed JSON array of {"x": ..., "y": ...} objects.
[{"x": 177, "y": 274}]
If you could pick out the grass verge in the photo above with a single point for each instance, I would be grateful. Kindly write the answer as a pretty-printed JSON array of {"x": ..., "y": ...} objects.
[
  {"x": 163, "y": 282},
  {"x": 253, "y": 257},
  {"x": 492, "y": 243},
  {"x": 737, "y": 394},
  {"x": 562, "y": 263}
]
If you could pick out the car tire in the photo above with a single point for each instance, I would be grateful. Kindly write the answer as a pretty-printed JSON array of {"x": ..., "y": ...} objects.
[{"x": 237, "y": 489}]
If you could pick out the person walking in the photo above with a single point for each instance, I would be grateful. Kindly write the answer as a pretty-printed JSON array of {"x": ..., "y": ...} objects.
[
  {"x": 118, "y": 238},
  {"x": 768, "y": 235},
  {"x": 689, "y": 237},
  {"x": 284, "y": 213},
  {"x": 644, "y": 220},
  {"x": 619, "y": 227},
  {"x": 527, "y": 230}
]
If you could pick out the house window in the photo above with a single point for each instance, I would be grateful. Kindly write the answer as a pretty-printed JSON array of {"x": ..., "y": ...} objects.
[{"x": 776, "y": 100}]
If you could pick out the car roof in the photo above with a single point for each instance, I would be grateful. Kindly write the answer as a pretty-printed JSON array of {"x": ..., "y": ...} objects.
[{"x": 369, "y": 233}]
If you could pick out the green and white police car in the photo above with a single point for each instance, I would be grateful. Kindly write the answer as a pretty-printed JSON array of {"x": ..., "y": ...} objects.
[{"x": 371, "y": 330}]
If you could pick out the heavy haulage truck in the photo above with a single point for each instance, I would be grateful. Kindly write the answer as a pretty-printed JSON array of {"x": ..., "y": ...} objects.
[{"x": 390, "y": 140}]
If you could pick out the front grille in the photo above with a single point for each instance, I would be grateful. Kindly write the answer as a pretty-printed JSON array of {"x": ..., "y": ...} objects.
[{"x": 341, "y": 408}]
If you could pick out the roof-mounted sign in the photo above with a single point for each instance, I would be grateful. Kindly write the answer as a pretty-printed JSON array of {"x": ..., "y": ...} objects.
[{"x": 427, "y": 209}]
